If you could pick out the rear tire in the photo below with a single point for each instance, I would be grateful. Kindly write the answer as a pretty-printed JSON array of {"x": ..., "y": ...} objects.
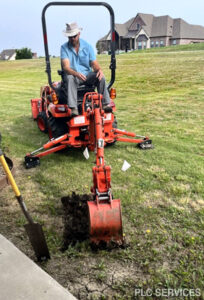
[
  {"x": 56, "y": 127},
  {"x": 42, "y": 122}
]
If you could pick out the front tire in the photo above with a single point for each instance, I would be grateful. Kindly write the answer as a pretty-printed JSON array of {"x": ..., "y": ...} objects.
[{"x": 42, "y": 122}]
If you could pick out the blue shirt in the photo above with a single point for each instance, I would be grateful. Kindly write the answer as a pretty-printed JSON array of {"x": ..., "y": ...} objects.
[{"x": 79, "y": 62}]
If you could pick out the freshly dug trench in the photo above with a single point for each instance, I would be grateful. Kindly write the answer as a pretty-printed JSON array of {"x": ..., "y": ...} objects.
[{"x": 76, "y": 218}]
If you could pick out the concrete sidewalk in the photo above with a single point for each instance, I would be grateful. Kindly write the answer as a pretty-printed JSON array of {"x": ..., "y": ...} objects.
[{"x": 22, "y": 279}]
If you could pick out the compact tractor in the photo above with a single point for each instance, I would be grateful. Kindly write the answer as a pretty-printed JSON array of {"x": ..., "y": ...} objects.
[{"x": 93, "y": 128}]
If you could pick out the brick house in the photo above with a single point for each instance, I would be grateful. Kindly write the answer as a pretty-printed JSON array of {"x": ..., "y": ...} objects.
[{"x": 147, "y": 31}]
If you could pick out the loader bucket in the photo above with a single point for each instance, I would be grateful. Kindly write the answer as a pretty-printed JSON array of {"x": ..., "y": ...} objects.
[{"x": 105, "y": 221}]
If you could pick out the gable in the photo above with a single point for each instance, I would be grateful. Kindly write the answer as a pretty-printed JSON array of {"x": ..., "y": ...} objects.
[
  {"x": 142, "y": 32},
  {"x": 137, "y": 21},
  {"x": 144, "y": 20}
]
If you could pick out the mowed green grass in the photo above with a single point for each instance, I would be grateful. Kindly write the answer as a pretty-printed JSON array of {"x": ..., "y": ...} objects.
[{"x": 159, "y": 94}]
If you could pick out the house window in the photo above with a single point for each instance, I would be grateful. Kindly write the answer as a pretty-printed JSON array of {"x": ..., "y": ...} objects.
[
  {"x": 138, "y": 26},
  {"x": 152, "y": 44},
  {"x": 144, "y": 45},
  {"x": 156, "y": 44},
  {"x": 174, "y": 42},
  {"x": 139, "y": 44},
  {"x": 161, "y": 43}
]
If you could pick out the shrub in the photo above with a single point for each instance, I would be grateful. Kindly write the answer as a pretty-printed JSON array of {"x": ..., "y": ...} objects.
[{"x": 23, "y": 53}]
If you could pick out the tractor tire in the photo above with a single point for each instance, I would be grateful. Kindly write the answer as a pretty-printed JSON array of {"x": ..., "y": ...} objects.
[
  {"x": 56, "y": 127},
  {"x": 42, "y": 122}
]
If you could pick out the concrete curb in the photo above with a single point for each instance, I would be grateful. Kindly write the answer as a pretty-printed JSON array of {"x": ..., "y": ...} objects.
[{"x": 22, "y": 279}]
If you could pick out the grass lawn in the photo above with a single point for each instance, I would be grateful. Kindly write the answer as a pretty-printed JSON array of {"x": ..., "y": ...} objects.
[{"x": 160, "y": 93}]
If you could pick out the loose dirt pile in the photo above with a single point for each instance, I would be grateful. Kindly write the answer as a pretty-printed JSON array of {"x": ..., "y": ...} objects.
[{"x": 2, "y": 173}]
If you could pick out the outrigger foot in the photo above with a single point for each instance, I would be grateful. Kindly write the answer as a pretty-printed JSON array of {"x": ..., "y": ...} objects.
[
  {"x": 145, "y": 145},
  {"x": 31, "y": 162}
]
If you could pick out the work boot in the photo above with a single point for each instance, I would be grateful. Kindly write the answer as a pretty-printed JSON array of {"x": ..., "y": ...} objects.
[
  {"x": 107, "y": 108},
  {"x": 74, "y": 112}
]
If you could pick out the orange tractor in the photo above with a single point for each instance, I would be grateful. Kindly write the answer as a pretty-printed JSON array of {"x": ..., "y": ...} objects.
[{"x": 93, "y": 128}]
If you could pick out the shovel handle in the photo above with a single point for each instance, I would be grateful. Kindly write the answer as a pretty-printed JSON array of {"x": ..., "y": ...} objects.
[
  {"x": 15, "y": 188},
  {"x": 24, "y": 209},
  {"x": 9, "y": 174}
]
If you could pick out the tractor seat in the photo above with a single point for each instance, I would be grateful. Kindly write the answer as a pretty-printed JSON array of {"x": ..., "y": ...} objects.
[{"x": 62, "y": 89}]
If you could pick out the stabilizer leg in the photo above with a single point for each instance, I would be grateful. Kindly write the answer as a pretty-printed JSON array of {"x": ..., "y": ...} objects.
[
  {"x": 33, "y": 159},
  {"x": 143, "y": 142}
]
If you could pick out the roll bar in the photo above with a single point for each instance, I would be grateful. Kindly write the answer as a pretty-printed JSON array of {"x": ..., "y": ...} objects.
[{"x": 112, "y": 23}]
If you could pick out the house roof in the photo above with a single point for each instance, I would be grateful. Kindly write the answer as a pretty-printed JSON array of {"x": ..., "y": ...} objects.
[
  {"x": 162, "y": 26},
  {"x": 125, "y": 27},
  {"x": 182, "y": 29},
  {"x": 7, "y": 54},
  {"x": 167, "y": 26},
  {"x": 121, "y": 29}
]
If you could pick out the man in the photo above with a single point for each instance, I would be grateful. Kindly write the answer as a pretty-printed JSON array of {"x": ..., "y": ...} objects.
[{"x": 78, "y": 60}]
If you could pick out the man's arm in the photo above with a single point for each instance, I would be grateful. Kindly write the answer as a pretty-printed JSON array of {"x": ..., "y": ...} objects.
[
  {"x": 70, "y": 71},
  {"x": 96, "y": 67}
]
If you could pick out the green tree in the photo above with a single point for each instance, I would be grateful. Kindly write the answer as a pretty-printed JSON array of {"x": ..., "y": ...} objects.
[{"x": 23, "y": 53}]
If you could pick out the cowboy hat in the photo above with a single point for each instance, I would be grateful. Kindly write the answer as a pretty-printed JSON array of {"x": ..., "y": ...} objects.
[{"x": 71, "y": 29}]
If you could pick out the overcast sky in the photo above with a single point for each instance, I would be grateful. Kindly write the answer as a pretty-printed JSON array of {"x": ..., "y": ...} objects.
[{"x": 20, "y": 21}]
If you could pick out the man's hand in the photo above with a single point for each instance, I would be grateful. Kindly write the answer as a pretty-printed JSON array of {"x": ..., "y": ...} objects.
[
  {"x": 81, "y": 76},
  {"x": 99, "y": 74},
  {"x": 95, "y": 66},
  {"x": 70, "y": 71}
]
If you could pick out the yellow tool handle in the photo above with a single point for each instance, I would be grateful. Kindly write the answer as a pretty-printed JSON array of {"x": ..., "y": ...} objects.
[{"x": 9, "y": 175}]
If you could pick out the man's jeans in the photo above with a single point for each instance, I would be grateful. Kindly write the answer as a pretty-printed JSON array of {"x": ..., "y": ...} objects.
[{"x": 73, "y": 83}]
